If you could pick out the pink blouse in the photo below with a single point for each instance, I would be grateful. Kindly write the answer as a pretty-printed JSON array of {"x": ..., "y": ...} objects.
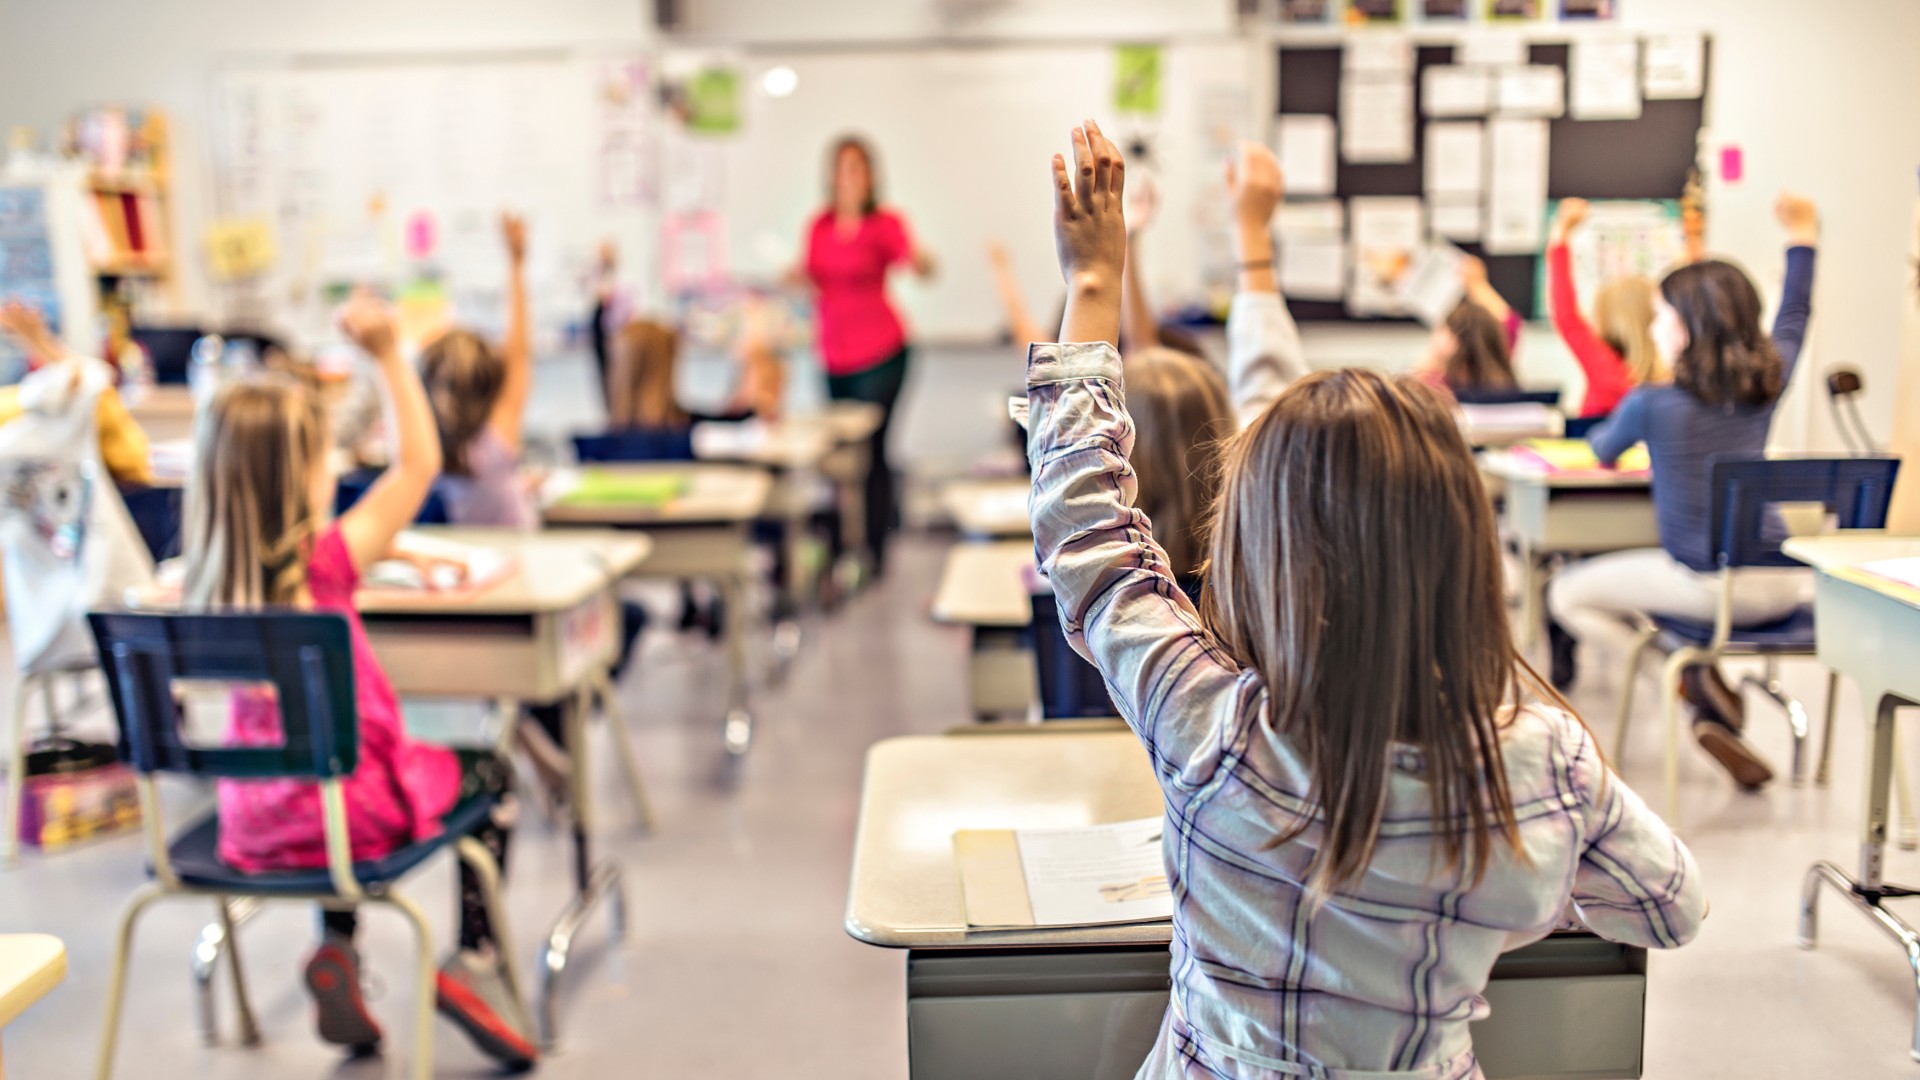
[
  {"x": 395, "y": 796},
  {"x": 856, "y": 323}
]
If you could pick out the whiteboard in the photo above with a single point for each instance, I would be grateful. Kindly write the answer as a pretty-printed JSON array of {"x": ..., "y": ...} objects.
[{"x": 964, "y": 137}]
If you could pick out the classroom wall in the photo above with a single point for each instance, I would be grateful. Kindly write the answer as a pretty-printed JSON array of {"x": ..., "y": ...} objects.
[{"x": 843, "y": 21}]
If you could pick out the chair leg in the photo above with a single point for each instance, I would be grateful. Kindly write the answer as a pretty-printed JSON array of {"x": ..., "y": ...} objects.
[
  {"x": 17, "y": 770},
  {"x": 1640, "y": 643},
  {"x": 1796, "y": 714},
  {"x": 206, "y": 962},
  {"x": 424, "y": 983},
  {"x": 1907, "y": 831},
  {"x": 242, "y": 1007},
  {"x": 1824, "y": 771},
  {"x": 117, "y": 984},
  {"x": 1670, "y": 697},
  {"x": 475, "y": 854},
  {"x": 623, "y": 748}
]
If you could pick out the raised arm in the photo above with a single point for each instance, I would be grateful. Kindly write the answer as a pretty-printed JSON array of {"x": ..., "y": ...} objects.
[
  {"x": 1473, "y": 275},
  {"x": 1617, "y": 433},
  {"x": 1264, "y": 353},
  {"x": 394, "y": 500},
  {"x": 1138, "y": 328},
  {"x": 510, "y": 412},
  {"x": 1606, "y": 372},
  {"x": 1801, "y": 220},
  {"x": 1021, "y": 325},
  {"x": 1118, "y": 601}
]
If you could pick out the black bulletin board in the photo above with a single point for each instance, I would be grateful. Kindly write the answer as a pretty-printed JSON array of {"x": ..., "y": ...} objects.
[{"x": 1647, "y": 158}]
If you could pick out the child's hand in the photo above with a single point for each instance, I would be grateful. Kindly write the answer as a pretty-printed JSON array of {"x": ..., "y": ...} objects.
[
  {"x": 513, "y": 229},
  {"x": 1798, "y": 215},
  {"x": 367, "y": 321},
  {"x": 1571, "y": 215},
  {"x": 1089, "y": 223},
  {"x": 28, "y": 330},
  {"x": 1473, "y": 272},
  {"x": 1256, "y": 185},
  {"x": 997, "y": 255},
  {"x": 1142, "y": 205}
]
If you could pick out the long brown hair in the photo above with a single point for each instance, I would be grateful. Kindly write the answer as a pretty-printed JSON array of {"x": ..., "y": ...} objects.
[
  {"x": 1481, "y": 359},
  {"x": 463, "y": 376},
  {"x": 859, "y": 145},
  {"x": 640, "y": 381},
  {"x": 250, "y": 518},
  {"x": 1728, "y": 360},
  {"x": 1181, "y": 412},
  {"x": 1356, "y": 568},
  {"x": 1623, "y": 315}
]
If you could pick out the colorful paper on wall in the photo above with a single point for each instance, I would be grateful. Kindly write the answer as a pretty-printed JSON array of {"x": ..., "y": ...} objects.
[
  {"x": 1136, "y": 79},
  {"x": 713, "y": 101},
  {"x": 239, "y": 248}
]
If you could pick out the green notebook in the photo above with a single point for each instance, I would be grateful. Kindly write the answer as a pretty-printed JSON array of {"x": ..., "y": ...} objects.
[{"x": 606, "y": 487}]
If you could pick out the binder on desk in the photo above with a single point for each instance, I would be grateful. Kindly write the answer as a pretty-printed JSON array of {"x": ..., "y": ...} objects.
[
  {"x": 1086, "y": 876},
  {"x": 605, "y": 487}
]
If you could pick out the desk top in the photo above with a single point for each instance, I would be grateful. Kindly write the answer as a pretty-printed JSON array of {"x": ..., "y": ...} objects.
[
  {"x": 1841, "y": 556},
  {"x": 794, "y": 442},
  {"x": 555, "y": 571},
  {"x": 989, "y": 508},
  {"x": 984, "y": 584},
  {"x": 920, "y": 789},
  {"x": 31, "y": 965},
  {"x": 1517, "y": 470},
  {"x": 715, "y": 494},
  {"x": 170, "y": 401}
]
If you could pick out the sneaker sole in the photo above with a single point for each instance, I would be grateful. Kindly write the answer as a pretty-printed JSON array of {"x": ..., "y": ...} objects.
[
  {"x": 483, "y": 1025},
  {"x": 1733, "y": 754},
  {"x": 340, "y": 1013}
]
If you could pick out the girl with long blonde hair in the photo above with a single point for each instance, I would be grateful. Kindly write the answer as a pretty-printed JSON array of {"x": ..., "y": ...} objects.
[{"x": 1616, "y": 350}]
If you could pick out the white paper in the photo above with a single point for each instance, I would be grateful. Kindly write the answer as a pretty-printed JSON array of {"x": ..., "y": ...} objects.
[
  {"x": 1605, "y": 75},
  {"x": 1906, "y": 571},
  {"x": 1313, "y": 267},
  {"x": 1531, "y": 91},
  {"x": 1387, "y": 233},
  {"x": 1454, "y": 220},
  {"x": 1676, "y": 67},
  {"x": 1432, "y": 288},
  {"x": 1516, "y": 186},
  {"x": 1378, "y": 53},
  {"x": 1307, "y": 154},
  {"x": 1456, "y": 158},
  {"x": 1376, "y": 119},
  {"x": 1491, "y": 49},
  {"x": 1311, "y": 218},
  {"x": 1448, "y": 90},
  {"x": 1099, "y": 874}
]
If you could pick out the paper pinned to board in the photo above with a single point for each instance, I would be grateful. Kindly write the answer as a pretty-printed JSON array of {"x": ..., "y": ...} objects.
[
  {"x": 1454, "y": 220},
  {"x": 1453, "y": 90},
  {"x": 1456, "y": 158},
  {"x": 1308, "y": 155},
  {"x": 1605, "y": 79},
  {"x": 1538, "y": 91},
  {"x": 1676, "y": 67},
  {"x": 1386, "y": 234},
  {"x": 1376, "y": 119},
  {"x": 1491, "y": 48},
  {"x": 1377, "y": 54},
  {"x": 1432, "y": 288},
  {"x": 1516, "y": 186},
  {"x": 1318, "y": 216},
  {"x": 1313, "y": 267}
]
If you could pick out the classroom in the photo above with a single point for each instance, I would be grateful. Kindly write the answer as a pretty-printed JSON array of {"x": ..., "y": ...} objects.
[{"x": 960, "y": 539}]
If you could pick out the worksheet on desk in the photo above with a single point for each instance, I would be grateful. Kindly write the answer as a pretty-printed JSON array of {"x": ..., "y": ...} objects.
[{"x": 1097, "y": 874}]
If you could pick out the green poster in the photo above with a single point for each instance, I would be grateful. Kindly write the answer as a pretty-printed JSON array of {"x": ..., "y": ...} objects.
[
  {"x": 713, "y": 101},
  {"x": 1136, "y": 79}
]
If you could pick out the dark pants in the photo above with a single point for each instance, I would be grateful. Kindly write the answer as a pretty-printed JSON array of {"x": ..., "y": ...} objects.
[{"x": 879, "y": 385}]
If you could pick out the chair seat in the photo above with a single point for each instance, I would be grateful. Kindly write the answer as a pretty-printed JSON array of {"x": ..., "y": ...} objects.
[
  {"x": 196, "y": 858},
  {"x": 1793, "y": 634}
]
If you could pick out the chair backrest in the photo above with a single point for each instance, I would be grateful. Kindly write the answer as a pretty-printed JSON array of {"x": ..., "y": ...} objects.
[
  {"x": 306, "y": 657},
  {"x": 636, "y": 444},
  {"x": 351, "y": 486},
  {"x": 1070, "y": 688},
  {"x": 1513, "y": 396},
  {"x": 1744, "y": 531}
]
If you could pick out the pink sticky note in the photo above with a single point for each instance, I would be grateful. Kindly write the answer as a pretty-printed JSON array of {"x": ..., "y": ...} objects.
[
  {"x": 1733, "y": 164},
  {"x": 420, "y": 235}
]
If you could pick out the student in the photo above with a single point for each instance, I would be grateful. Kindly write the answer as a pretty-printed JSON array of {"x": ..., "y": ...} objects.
[
  {"x": 1182, "y": 415},
  {"x": 258, "y": 535},
  {"x": 1621, "y": 354},
  {"x": 1727, "y": 378},
  {"x": 479, "y": 395},
  {"x": 123, "y": 445},
  {"x": 641, "y": 376},
  {"x": 1471, "y": 351},
  {"x": 1362, "y": 780}
]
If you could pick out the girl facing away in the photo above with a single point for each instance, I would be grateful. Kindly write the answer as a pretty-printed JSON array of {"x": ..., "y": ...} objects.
[
  {"x": 1369, "y": 798},
  {"x": 257, "y": 535},
  {"x": 1616, "y": 351}
]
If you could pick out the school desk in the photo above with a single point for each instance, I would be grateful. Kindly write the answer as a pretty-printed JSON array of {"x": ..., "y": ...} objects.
[
  {"x": 1869, "y": 632},
  {"x": 1086, "y": 1002},
  {"x": 1577, "y": 513},
  {"x": 31, "y": 965},
  {"x": 164, "y": 412},
  {"x": 702, "y": 533},
  {"x": 547, "y": 632},
  {"x": 983, "y": 587},
  {"x": 989, "y": 509}
]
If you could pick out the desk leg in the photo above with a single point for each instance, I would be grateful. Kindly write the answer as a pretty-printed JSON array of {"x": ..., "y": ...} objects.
[
  {"x": 1533, "y": 587},
  {"x": 616, "y": 722},
  {"x": 1873, "y": 836},
  {"x": 592, "y": 882},
  {"x": 737, "y": 728}
]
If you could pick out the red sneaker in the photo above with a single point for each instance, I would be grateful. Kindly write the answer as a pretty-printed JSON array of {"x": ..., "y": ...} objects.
[
  {"x": 474, "y": 993},
  {"x": 340, "y": 1011}
]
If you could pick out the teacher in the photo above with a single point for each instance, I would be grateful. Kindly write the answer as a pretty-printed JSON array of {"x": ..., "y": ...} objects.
[{"x": 850, "y": 248}]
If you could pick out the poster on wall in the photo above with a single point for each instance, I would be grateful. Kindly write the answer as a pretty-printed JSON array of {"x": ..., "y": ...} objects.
[
  {"x": 712, "y": 104},
  {"x": 26, "y": 265},
  {"x": 1373, "y": 12},
  {"x": 1443, "y": 10},
  {"x": 1587, "y": 9},
  {"x": 1306, "y": 12},
  {"x": 1515, "y": 10},
  {"x": 1136, "y": 79},
  {"x": 627, "y": 169}
]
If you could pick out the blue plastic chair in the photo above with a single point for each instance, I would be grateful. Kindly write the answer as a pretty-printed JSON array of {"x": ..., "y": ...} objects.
[
  {"x": 636, "y": 444},
  {"x": 1070, "y": 688},
  {"x": 1746, "y": 532},
  {"x": 1511, "y": 396},
  {"x": 352, "y": 486},
  {"x": 150, "y": 661}
]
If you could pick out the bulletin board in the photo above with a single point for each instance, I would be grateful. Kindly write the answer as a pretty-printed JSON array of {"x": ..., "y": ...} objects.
[{"x": 1644, "y": 158}]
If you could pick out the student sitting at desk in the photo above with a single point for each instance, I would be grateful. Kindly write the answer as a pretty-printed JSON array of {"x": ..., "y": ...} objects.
[
  {"x": 257, "y": 535},
  {"x": 1471, "y": 351},
  {"x": 1369, "y": 797},
  {"x": 1620, "y": 354},
  {"x": 1727, "y": 378}
]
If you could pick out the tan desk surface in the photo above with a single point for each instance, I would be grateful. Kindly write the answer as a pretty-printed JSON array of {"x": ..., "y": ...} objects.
[
  {"x": 31, "y": 965},
  {"x": 1842, "y": 556},
  {"x": 716, "y": 494},
  {"x": 1516, "y": 471},
  {"x": 983, "y": 584},
  {"x": 989, "y": 507},
  {"x": 171, "y": 401},
  {"x": 920, "y": 789},
  {"x": 556, "y": 571}
]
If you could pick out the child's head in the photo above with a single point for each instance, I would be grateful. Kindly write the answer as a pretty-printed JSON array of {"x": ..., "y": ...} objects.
[
  {"x": 1470, "y": 348},
  {"x": 1707, "y": 326},
  {"x": 259, "y": 492},
  {"x": 463, "y": 376},
  {"x": 1623, "y": 312},
  {"x": 1181, "y": 412},
  {"x": 645, "y": 371},
  {"x": 1356, "y": 568}
]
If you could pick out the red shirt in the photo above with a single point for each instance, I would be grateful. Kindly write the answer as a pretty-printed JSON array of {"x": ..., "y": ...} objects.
[
  {"x": 1607, "y": 378},
  {"x": 856, "y": 323}
]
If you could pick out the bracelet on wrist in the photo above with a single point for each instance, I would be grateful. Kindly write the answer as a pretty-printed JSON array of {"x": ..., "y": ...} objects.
[{"x": 1256, "y": 264}]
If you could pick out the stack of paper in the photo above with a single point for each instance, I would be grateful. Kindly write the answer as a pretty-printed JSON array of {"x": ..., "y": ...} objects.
[
  {"x": 1064, "y": 877},
  {"x": 1488, "y": 425},
  {"x": 423, "y": 562},
  {"x": 1575, "y": 456}
]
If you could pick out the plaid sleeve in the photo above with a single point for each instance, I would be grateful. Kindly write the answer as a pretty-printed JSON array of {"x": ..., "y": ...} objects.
[
  {"x": 1118, "y": 601},
  {"x": 1636, "y": 882}
]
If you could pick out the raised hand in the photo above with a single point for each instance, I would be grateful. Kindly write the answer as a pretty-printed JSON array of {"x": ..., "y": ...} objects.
[
  {"x": 1089, "y": 219},
  {"x": 1571, "y": 215},
  {"x": 25, "y": 326},
  {"x": 1798, "y": 215},
  {"x": 1255, "y": 184},
  {"x": 513, "y": 230},
  {"x": 368, "y": 322}
]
